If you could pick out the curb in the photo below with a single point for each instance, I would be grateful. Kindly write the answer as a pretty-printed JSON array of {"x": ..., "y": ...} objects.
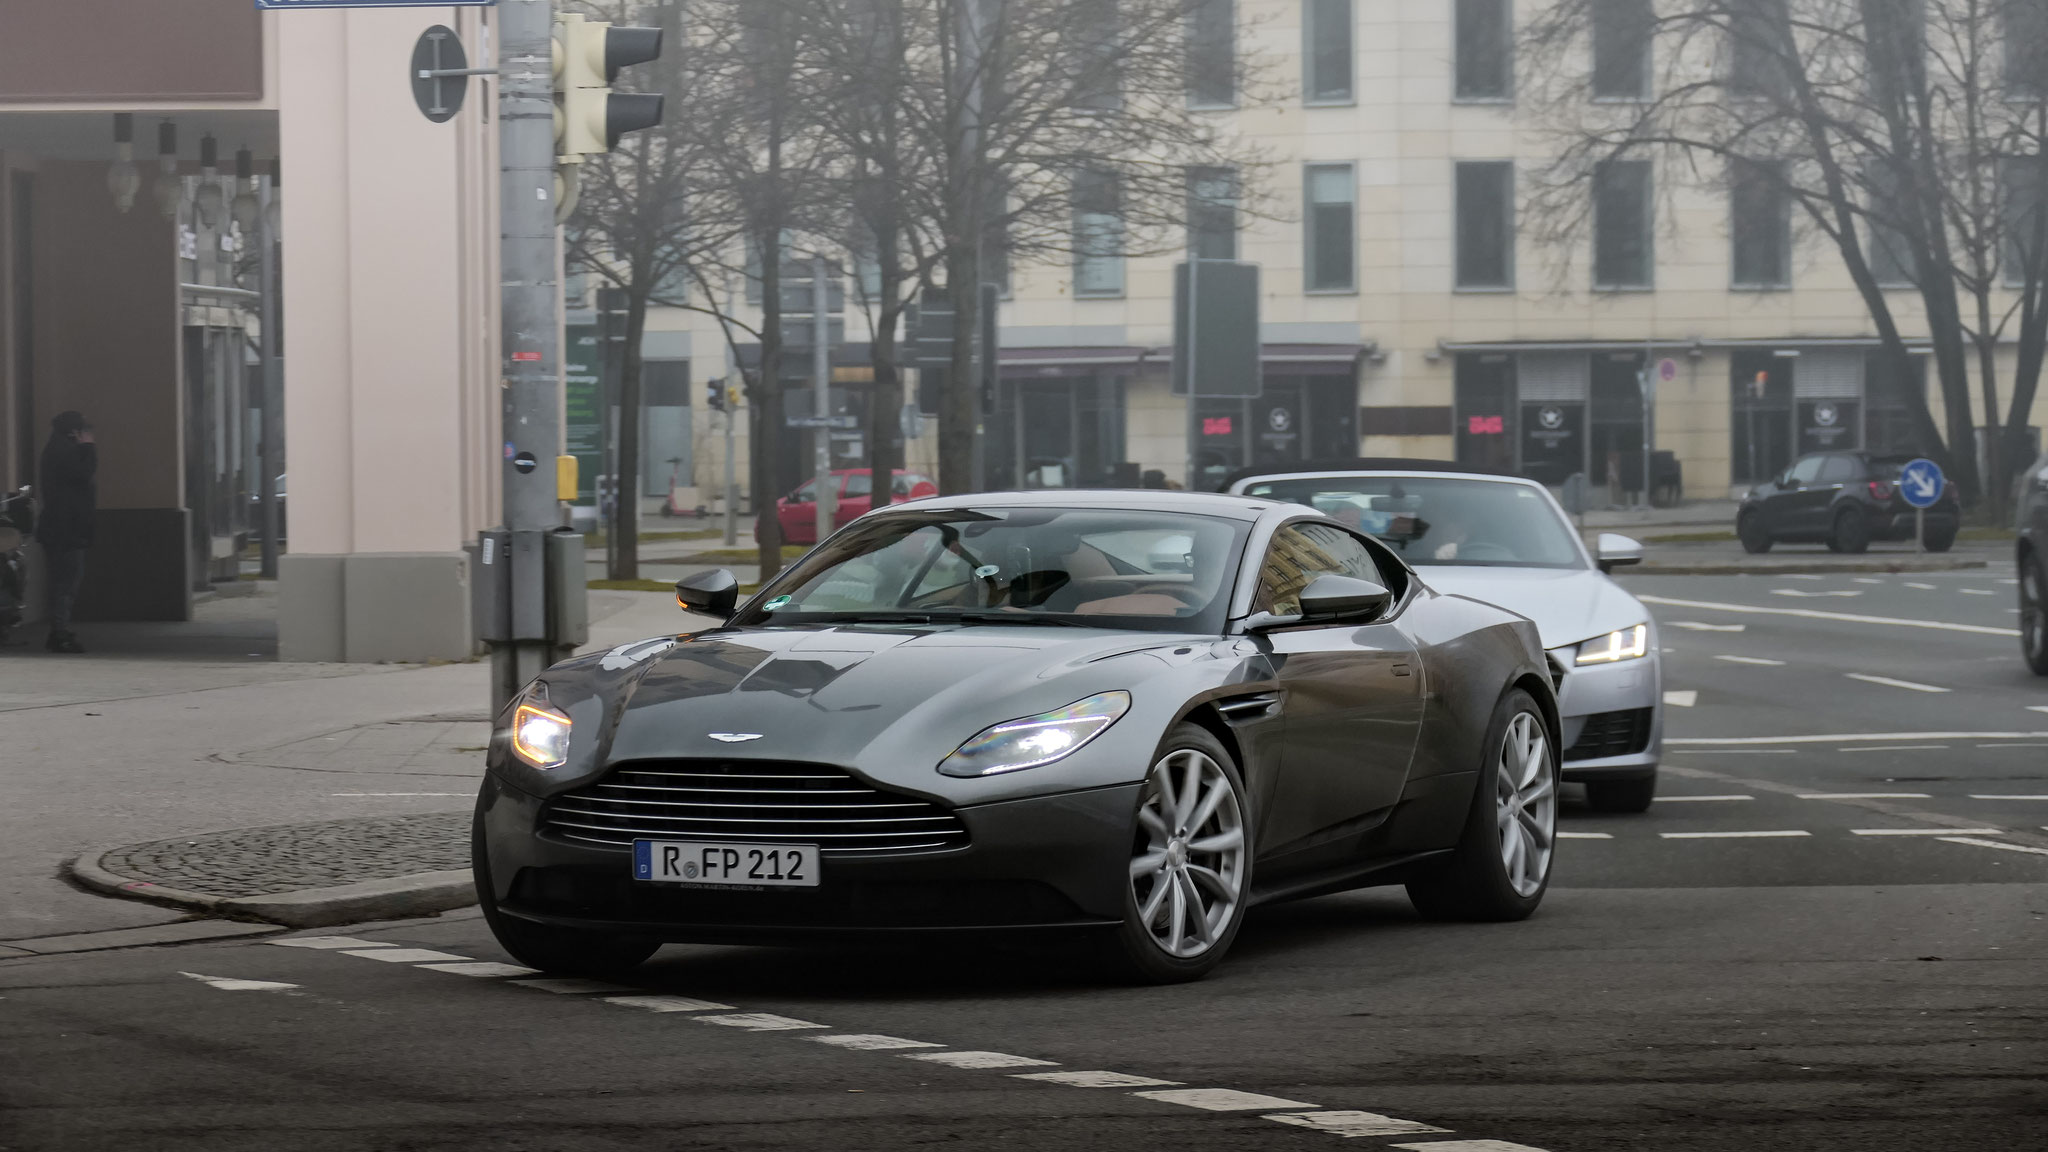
[
  {"x": 397, "y": 897},
  {"x": 1818, "y": 567}
]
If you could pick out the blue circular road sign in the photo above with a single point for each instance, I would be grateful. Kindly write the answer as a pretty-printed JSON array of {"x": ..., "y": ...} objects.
[{"x": 1920, "y": 483}]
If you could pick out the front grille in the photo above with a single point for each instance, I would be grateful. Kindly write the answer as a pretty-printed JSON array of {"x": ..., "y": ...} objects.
[
  {"x": 750, "y": 800},
  {"x": 841, "y": 902},
  {"x": 1622, "y": 733}
]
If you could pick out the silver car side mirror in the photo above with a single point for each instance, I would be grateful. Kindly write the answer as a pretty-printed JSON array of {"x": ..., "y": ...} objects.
[{"x": 1615, "y": 551}]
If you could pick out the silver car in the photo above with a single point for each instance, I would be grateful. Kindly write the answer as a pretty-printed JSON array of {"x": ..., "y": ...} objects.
[{"x": 1504, "y": 540}]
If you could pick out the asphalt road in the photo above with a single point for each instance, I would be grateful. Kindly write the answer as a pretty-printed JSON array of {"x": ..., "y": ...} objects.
[{"x": 1830, "y": 932}]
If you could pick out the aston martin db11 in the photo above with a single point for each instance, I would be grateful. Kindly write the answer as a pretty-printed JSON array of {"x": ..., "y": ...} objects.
[{"x": 1131, "y": 714}]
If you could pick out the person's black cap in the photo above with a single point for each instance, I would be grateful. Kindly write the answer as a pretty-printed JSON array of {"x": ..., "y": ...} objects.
[{"x": 65, "y": 423}]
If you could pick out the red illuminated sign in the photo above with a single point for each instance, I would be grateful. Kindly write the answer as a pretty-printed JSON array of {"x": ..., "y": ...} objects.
[
  {"x": 1216, "y": 425},
  {"x": 1486, "y": 425}
]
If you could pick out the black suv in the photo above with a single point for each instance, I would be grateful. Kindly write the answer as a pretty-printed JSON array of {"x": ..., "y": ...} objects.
[
  {"x": 1844, "y": 500},
  {"x": 2033, "y": 558}
]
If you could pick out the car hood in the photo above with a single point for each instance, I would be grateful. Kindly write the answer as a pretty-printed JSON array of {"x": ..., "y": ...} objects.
[
  {"x": 828, "y": 693},
  {"x": 1567, "y": 605}
]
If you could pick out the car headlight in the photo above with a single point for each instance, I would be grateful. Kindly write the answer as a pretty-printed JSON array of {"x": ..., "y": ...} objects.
[
  {"x": 540, "y": 733},
  {"x": 1622, "y": 644},
  {"x": 1035, "y": 740}
]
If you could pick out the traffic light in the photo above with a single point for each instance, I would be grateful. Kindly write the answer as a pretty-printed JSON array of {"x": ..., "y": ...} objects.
[
  {"x": 714, "y": 395},
  {"x": 588, "y": 55}
]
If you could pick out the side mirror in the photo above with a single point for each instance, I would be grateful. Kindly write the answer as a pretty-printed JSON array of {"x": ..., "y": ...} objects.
[
  {"x": 1616, "y": 551},
  {"x": 1332, "y": 596},
  {"x": 714, "y": 593}
]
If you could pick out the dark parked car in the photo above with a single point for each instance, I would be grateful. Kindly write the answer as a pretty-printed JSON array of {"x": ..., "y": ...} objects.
[
  {"x": 2033, "y": 565},
  {"x": 1135, "y": 714},
  {"x": 1844, "y": 500}
]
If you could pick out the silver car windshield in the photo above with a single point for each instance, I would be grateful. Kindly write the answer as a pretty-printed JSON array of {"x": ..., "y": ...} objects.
[
  {"x": 1094, "y": 568},
  {"x": 1440, "y": 519}
]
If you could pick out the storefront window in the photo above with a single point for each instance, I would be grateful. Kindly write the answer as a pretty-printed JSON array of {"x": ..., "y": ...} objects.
[
  {"x": 1485, "y": 419},
  {"x": 1760, "y": 415}
]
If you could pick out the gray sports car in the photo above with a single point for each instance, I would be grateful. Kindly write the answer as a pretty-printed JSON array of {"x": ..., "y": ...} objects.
[{"x": 1130, "y": 713}]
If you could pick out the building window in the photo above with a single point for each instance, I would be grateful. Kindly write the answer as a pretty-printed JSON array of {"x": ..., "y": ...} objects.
[
  {"x": 1098, "y": 82},
  {"x": 1098, "y": 235},
  {"x": 1759, "y": 34},
  {"x": 1887, "y": 247},
  {"x": 1760, "y": 225},
  {"x": 1896, "y": 49},
  {"x": 1486, "y": 224},
  {"x": 2025, "y": 223},
  {"x": 1328, "y": 247},
  {"x": 2026, "y": 47},
  {"x": 1485, "y": 50},
  {"x": 1212, "y": 214},
  {"x": 1622, "y": 219},
  {"x": 1212, "y": 53},
  {"x": 1622, "y": 31},
  {"x": 1326, "y": 51}
]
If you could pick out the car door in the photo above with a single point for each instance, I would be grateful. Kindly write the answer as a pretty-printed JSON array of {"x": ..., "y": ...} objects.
[
  {"x": 1837, "y": 475},
  {"x": 855, "y": 498},
  {"x": 1792, "y": 508},
  {"x": 1351, "y": 702}
]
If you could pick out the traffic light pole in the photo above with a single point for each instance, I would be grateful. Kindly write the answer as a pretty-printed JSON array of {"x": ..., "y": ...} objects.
[{"x": 532, "y": 428}]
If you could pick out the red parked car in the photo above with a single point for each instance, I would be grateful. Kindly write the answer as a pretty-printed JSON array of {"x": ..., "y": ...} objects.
[{"x": 799, "y": 512}]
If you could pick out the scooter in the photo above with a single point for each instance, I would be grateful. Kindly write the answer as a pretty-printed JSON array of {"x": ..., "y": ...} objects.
[{"x": 17, "y": 520}]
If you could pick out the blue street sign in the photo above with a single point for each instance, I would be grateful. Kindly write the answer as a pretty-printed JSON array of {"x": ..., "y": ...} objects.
[
  {"x": 283, "y": 4},
  {"x": 1920, "y": 483}
]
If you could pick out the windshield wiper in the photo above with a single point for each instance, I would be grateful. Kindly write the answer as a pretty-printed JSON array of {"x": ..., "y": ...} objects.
[{"x": 1013, "y": 618}]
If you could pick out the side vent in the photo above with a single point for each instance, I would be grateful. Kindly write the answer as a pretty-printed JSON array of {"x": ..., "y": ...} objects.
[{"x": 1238, "y": 709}]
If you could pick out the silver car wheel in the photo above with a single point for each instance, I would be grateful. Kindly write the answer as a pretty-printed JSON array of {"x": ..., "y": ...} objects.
[
  {"x": 1188, "y": 875},
  {"x": 2034, "y": 611},
  {"x": 1525, "y": 804}
]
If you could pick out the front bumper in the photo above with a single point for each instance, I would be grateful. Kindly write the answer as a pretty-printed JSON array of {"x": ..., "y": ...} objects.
[
  {"x": 1589, "y": 700},
  {"x": 1046, "y": 862}
]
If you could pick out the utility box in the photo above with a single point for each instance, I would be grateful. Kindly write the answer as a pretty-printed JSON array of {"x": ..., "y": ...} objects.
[
  {"x": 568, "y": 590},
  {"x": 490, "y": 587}
]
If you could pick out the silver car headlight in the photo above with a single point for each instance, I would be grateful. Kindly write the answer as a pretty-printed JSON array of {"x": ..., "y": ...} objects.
[
  {"x": 1032, "y": 741},
  {"x": 1621, "y": 644}
]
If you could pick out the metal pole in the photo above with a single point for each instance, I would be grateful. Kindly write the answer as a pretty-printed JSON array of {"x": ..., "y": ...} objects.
[
  {"x": 1920, "y": 530},
  {"x": 270, "y": 448},
  {"x": 821, "y": 397},
  {"x": 1194, "y": 415},
  {"x": 532, "y": 358},
  {"x": 732, "y": 491}
]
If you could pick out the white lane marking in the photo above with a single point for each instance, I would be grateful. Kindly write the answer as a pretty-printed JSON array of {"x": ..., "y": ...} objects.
[
  {"x": 573, "y": 986},
  {"x": 1353, "y": 1124},
  {"x": 1756, "y": 660},
  {"x": 1699, "y": 799},
  {"x": 1585, "y": 835},
  {"x": 403, "y": 955},
  {"x": 1888, "y": 682},
  {"x": 1734, "y": 751},
  {"x": 2012, "y": 745},
  {"x": 1697, "y": 626},
  {"x": 1994, "y": 844},
  {"x": 1467, "y": 1146},
  {"x": 870, "y": 1042},
  {"x": 1802, "y": 576},
  {"x": 1980, "y": 796},
  {"x": 483, "y": 968},
  {"x": 1728, "y": 835},
  {"x": 1842, "y": 592},
  {"x": 2008, "y": 583},
  {"x": 1220, "y": 1099},
  {"x": 1852, "y": 738},
  {"x": 230, "y": 984},
  {"x": 2037, "y": 707},
  {"x": 1864, "y": 796},
  {"x": 1844, "y": 617},
  {"x": 758, "y": 1022},
  {"x": 1898, "y": 748},
  {"x": 671, "y": 1004},
  {"x": 980, "y": 1060},
  {"x": 1868, "y": 580},
  {"x": 327, "y": 942},
  {"x": 365, "y": 795},
  {"x": 1976, "y": 591},
  {"x": 1922, "y": 587},
  {"x": 1928, "y": 831},
  {"x": 1095, "y": 1079},
  {"x": 1682, "y": 698}
]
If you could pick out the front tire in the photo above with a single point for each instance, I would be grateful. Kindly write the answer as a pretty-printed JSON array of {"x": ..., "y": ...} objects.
[
  {"x": 1756, "y": 539},
  {"x": 552, "y": 949},
  {"x": 1621, "y": 796},
  {"x": 2034, "y": 614},
  {"x": 1190, "y": 865},
  {"x": 1501, "y": 866}
]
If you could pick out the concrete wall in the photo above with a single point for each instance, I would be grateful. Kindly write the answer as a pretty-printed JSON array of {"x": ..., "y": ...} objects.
[{"x": 391, "y": 290}]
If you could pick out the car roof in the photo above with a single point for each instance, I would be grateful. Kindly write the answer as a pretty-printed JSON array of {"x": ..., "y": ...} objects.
[
  {"x": 1113, "y": 499},
  {"x": 1340, "y": 467}
]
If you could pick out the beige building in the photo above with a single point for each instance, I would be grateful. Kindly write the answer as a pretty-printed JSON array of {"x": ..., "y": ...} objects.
[
  {"x": 129, "y": 291},
  {"x": 1406, "y": 311}
]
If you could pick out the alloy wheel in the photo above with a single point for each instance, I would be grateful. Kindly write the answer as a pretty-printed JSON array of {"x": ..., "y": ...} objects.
[
  {"x": 1188, "y": 872},
  {"x": 2034, "y": 613},
  {"x": 1525, "y": 804}
]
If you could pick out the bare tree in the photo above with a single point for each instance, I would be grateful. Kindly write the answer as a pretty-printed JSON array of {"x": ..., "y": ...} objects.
[{"x": 1886, "y": 124}]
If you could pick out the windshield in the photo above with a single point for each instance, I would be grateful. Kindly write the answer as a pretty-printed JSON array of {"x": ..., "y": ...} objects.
[
  {"x": 1440, "y": 519},
  {"x": 1154, "y": 571}
]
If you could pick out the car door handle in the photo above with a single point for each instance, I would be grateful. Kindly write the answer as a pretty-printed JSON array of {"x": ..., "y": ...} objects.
[{"x": 1404, "y": 670}]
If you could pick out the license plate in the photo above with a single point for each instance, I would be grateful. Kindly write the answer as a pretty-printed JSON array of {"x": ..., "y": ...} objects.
[{"x": 723, "y": 865}]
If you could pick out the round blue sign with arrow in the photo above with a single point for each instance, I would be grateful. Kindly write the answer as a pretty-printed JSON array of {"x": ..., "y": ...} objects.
[{"x": 1920, "y": 483}]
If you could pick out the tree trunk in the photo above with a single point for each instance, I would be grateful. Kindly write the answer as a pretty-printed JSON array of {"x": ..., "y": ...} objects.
[
  {"x": 766, "y": 405},
  {"x": 885, "y": 396},
  {"x": 627, "y": 450},
  {"x": 960, "y": 403}
]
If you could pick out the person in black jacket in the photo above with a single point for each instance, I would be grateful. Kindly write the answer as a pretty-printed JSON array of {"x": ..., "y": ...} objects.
[{"x": 66, "y": 528}]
